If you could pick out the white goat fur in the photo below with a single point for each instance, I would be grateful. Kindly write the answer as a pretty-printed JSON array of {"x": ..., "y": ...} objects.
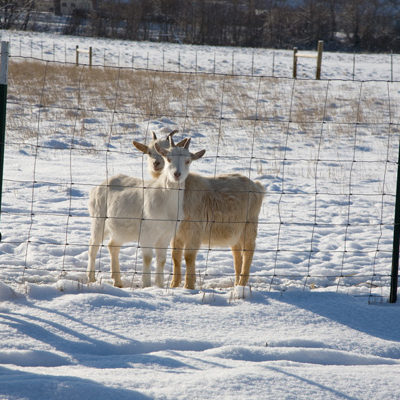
[
  {"x": 155, "y": 160},
  {"x": 218, "y": 212},
  {"x": 126, "y": 209}
]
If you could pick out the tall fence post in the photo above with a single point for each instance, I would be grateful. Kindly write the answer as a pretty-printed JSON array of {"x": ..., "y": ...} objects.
[
  {"x": 319, "y": 59},
  {"x": 396, "y": 240},
  {"x": 318, "y": 56},
  {"x": 90, "y": 56},
  {"x": 294, "y": 62},
  {"x": 3, "y": 109}
]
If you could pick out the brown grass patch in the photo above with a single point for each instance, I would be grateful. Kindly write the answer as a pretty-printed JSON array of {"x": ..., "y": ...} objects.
[{"x": 76, "y": 94}]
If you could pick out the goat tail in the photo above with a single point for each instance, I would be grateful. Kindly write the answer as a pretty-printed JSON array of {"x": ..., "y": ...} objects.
[
  {"x": 260, "y": 188},
  {"x": 98, "y": 214}
]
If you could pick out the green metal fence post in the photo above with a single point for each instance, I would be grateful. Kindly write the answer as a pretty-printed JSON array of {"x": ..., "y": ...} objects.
[
  {"x": 396, "y": 240},
  {"x": 3, "y": 109}
]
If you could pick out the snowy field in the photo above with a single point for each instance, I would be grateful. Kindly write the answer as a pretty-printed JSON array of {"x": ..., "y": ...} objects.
[
  {"x": 206, "y": 59},
  {"x": 315, "y": 322}
]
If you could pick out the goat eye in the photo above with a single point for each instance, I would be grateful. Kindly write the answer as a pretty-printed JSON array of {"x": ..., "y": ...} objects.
[
  {"x": 169, "y": 160},
  {"x": 187, "y": 162}
]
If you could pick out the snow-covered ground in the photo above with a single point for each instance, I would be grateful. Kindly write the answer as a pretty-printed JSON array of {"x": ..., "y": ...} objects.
[
  {"x": 105, "y": 343},
  {"x": 314, "y": 323},
  {"x": 222, "y": 60}
]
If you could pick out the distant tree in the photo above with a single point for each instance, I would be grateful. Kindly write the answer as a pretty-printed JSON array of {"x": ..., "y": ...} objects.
[
  {"x": 250, "y": 24},
  {"x": 76, "y": 23},
  {"x": 15, "y": 13},
  {"x": 278, "y": 24},
  {"x": 57, "y": 7},
  {"x": 132, "y": 17},
  {"x": 342, "y": 24},
  {"x": 334, "y": 7},
  {"x": 310, "y": 22}
]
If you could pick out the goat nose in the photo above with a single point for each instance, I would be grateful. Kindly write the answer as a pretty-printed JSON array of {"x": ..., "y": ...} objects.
[
  {"x": 156, "y": 163},
  {"x": 177, "y": 174}
]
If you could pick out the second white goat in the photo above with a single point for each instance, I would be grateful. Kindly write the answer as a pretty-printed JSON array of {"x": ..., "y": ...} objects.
[
  {"x": 219, "y": 211},
  {"x": 126, "y": 209}
]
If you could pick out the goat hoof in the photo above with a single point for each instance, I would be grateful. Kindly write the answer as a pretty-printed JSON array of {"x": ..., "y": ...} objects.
[
  {"x": 187, "y": 286},
  {"x": 146, "y": 283},
  {"x": 159, "y": 283},
  {"x": 175, "y": 284}
]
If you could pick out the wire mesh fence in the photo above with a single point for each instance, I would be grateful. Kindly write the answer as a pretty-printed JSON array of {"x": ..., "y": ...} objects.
[
  {"x": 176, "y": 58},
  {"x": 325, "y": 152}
]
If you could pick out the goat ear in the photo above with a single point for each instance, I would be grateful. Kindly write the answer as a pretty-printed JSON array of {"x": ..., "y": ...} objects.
[
  {"x": 154, "y": 135},
  {"x": 198, "y": 155},
  {"x": 160, "y": 150},
  {"x": 186, "y": 145},
  {"x": 182, "y": 143},
  {"x": 141, "y": 147}
]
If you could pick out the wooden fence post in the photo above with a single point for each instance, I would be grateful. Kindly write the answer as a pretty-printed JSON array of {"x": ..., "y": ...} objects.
[
  {"x": 89, "y": 52},
  {"x": 296, "y": 55},
  {"x": 319, "y": 59},
  {"x": 294, "y": 62}
]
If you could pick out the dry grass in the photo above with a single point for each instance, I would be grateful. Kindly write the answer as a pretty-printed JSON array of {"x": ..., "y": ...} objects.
[{"x": 77, "y": 95}]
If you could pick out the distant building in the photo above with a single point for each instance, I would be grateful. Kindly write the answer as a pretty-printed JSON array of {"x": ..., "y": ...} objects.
[
  {"x": 44, "y": 5},
  {"x": 69, "y": 6}
]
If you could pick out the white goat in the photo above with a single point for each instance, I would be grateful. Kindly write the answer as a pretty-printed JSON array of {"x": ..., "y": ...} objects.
[
  {"x": 126, "y": 209},
  {"x": 155, "y": 160},
  {"x": 218, "y": 211}
]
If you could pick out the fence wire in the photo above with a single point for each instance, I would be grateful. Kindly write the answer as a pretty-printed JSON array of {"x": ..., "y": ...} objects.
[
  {"x": 325, "y": 151},
  {"x": 176, "y": 58}
]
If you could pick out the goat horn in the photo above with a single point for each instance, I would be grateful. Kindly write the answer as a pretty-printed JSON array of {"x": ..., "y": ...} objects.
[
  {"x": 173, "y": 132},
  {"x": 186, "y": 145},
  {"x": 154, "y": 135},
  {"x": 171, "y": 141}
]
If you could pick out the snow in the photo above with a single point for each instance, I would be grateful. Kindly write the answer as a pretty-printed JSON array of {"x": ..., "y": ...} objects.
[
  {"x": 312, "y": 324},
  {"x": 151, "y": 343},
  {"x": 192, "y": 58}
]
